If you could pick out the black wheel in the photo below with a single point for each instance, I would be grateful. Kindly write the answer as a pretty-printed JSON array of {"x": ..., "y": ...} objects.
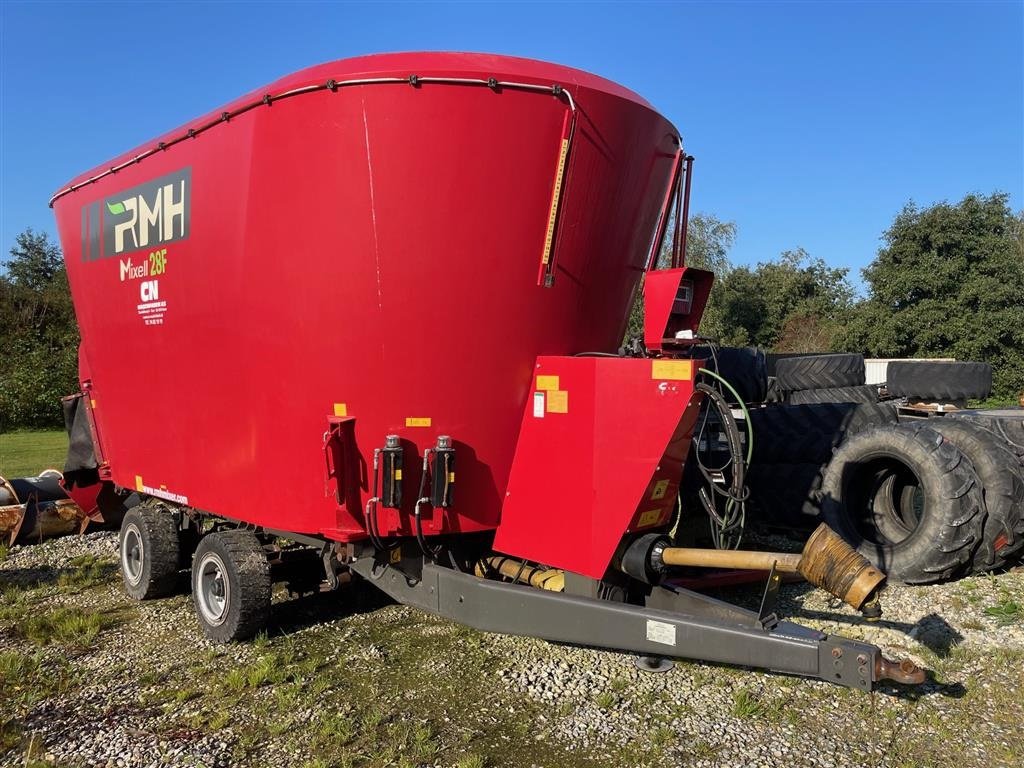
[
  {"x": 867, "y": 393},
  {"x": 808, "y": 433},
  {"x": 1002, "y": 485},
  {"x": 745, "y": 368},
  {"x": 939, "y": 381},
  {"x": 820, "y": 371},
  {"x": 1008, "y": 423},
  {"x": 149, "y": 551},
  {"x": 231, "y": 585},
  {"x": 785, "y": 495},
  {"x": 906, "y": 499}
]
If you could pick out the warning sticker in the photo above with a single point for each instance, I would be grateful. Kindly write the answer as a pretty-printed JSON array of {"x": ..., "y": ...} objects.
[
  {"x": 547, "y": 382},
  {"x": 661, "y": 632},
  {"x": 558, "y": 401},
  {"x": 660, "y": 488},
  {"x": 674, "y": 370},
  {"x": 650, "y": 517},
  {"x": 417, "y": 421}
]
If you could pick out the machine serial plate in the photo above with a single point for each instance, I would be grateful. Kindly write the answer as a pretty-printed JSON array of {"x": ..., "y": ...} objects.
[{"x": 660, "y": 632}]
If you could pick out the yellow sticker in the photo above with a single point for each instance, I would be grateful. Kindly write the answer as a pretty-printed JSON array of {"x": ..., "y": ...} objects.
[
  {"x": 547, "y": 382},
  {"x": 558, "y": 401},
  {"x": 451, "y": 477},
  {"x": 650, "y": 517},
  {"x": 659, "y": 490},
  {"x": 396, "y": 555},
  {"x": 417, "y": 421},
  {"x": 138, "y": 483},
  {"x": 341, "y": 410},
  {"x": 676, "y": 370},
  {"x": 92, "y": 403},
  {"x": 398, "y": 474}
]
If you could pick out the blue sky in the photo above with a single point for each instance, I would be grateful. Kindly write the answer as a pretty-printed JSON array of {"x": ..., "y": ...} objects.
[{"x": 812, "y": 123}]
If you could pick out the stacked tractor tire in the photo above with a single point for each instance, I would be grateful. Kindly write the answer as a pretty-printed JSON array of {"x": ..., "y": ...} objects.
[
  {"x": 823, "y": 403},
  {"x": 925, "y": 489}
]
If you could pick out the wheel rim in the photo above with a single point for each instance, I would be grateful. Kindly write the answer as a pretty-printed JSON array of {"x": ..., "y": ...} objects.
[
  {"x": 212, "y": 588},
  {"x": 890, "y": 494},
  {"x": 133, "y": 553}
]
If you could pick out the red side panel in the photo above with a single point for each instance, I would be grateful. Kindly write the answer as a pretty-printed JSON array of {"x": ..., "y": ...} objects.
[
  {"x": 674, "y": 301},
  {"x": 600, "y": 452}
]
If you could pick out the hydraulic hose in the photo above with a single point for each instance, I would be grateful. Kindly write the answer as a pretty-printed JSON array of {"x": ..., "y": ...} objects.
[
  {"x": 727, "y": 527},
  {"x": 428, "y": 551}
]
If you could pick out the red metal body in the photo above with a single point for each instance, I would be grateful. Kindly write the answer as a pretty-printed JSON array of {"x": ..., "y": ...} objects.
[
  {"x": 600, "y": 453},
  {"x": 381, "y": 245}
]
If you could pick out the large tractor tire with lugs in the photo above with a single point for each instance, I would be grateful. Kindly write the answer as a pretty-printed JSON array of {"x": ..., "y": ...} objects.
[
  {"x": 906, "y": 499},
  {"x": 866, "y": 393},
  {"x": 820, "y": 371},
  {"x": 1008, "y": 423},
  {"x": 149, "y": 551},
  {"x": 939, "y": 381},
  {"x": 808, "y": 433},
  {"x": 785, "y": 496},
  {"x": 745, "y": 368},
  {"x": 1002, "y": 482},
  {"x": 231, "y": 585}
]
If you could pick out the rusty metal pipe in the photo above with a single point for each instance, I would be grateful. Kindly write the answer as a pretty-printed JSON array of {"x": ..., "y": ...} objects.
[
  {"x": 827, "y": 562},
  {"x": 35, "y": 508},
  {"x": 731, "y": 558}
]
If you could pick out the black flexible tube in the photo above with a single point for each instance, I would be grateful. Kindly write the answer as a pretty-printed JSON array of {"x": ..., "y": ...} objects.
[
  {"x": 428, "y": 551},
  {"x": 727, "y": 528}
]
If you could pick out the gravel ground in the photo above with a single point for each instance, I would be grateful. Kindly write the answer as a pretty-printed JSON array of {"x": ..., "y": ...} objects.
[{"x": 348, "y": 679}]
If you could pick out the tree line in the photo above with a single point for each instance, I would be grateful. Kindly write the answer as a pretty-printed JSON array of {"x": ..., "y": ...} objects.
[{"x": 948, "y": 281}]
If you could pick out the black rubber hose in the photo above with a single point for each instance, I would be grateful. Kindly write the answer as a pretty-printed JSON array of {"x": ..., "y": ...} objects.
[
  {"x": 427, "y": 550},
  {"x": 724, "y": 526}
]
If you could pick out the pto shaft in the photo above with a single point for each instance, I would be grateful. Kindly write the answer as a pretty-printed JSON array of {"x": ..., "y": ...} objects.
[{"x": 827, "y": 562}]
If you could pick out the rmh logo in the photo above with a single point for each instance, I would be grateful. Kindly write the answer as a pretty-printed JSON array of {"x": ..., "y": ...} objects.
[
  {"x": 148, "y": 215},
  {"x": 155, "y": 220}
]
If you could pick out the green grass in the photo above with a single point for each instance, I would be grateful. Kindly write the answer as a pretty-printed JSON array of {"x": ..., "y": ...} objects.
[
  {"x": 88, "y": 571},
  {"x": 745, "y": 705},
  {"x": 24, "y": 454},
  {"x": 993, "y": 402},
  {"x": 1006, "y": 611},
  {"x": 67, "y": 626}
]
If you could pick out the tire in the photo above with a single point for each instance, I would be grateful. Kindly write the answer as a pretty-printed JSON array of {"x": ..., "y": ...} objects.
[
  {"x": 745, "y": 368},
  {"x": 820, "y": 371},
  {"x": 906, "y": 499},
  {"x": 231, "y": 585},
  {"x": 1002, "y": 483},
  {"x": 866, "y": 393},
  {"x": 1008, "y": 423},
  {"x": 149, "y": 552},
  {"x": 808, "y": 433},
  {"x": 939, "y": 381},
  {"x": 785, "y": 495}
]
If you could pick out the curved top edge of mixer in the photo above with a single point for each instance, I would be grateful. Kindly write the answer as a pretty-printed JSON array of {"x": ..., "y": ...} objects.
[{"x": 434, "y": 64}]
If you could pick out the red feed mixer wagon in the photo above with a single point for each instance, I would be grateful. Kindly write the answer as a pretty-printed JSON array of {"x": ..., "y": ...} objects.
[{"x": 363, "y": 323}]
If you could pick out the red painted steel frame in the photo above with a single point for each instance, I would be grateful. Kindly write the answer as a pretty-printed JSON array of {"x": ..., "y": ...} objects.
[
  {"x": 661, "y": 323},
  {"x": 601, "y": 452},
  {"x": 369, "y": 252}
]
